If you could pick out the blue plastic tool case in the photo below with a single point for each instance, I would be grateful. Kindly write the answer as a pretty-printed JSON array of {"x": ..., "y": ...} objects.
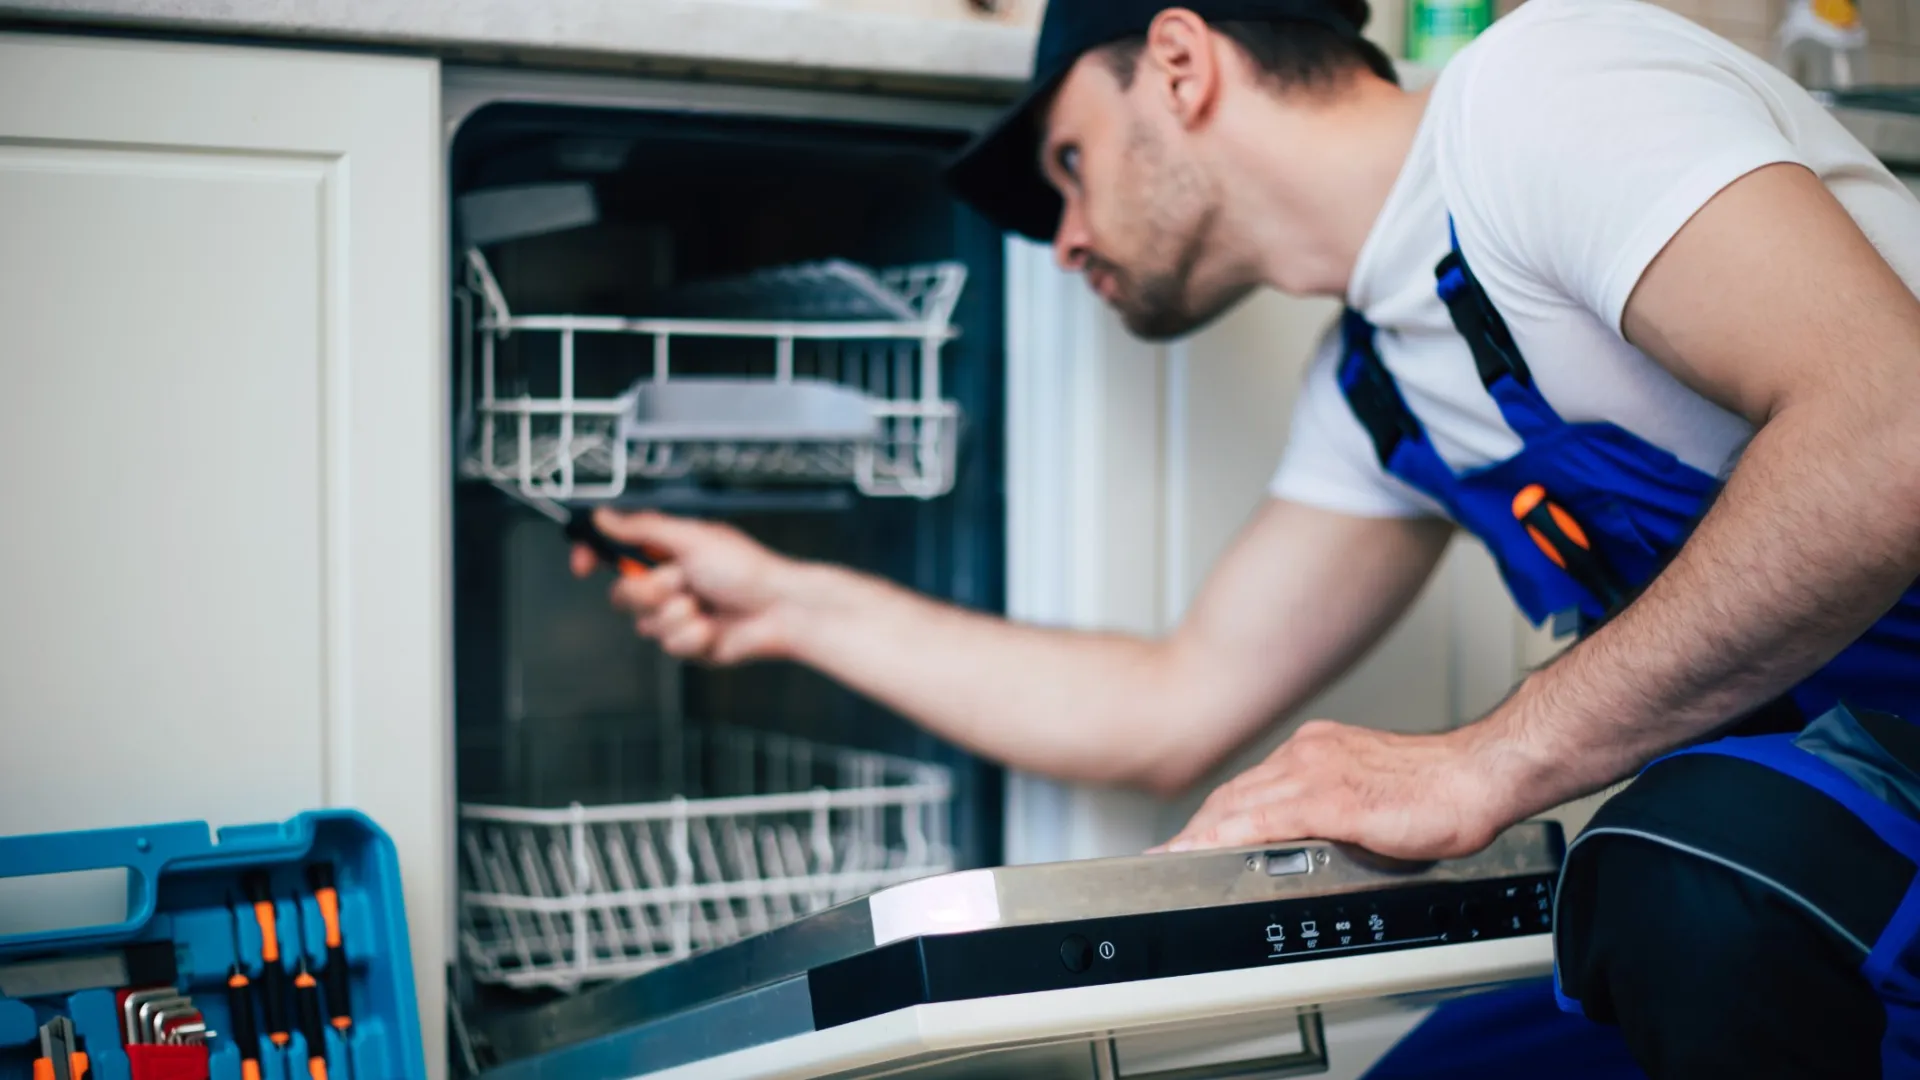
[{"x": 187, "y": 889}]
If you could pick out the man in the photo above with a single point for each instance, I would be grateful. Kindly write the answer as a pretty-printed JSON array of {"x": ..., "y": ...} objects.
[{"x": 1626, "y": 304}]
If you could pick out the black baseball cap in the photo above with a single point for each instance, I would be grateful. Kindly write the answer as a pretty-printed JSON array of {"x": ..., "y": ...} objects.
[{"x": 999, "y": 173}]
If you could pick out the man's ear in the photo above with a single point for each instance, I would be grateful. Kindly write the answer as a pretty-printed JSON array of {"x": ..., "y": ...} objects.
[{"x": 1179, "y": 57}]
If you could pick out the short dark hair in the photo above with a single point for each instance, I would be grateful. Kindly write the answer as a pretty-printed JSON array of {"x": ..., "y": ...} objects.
[{"x": 1292, "y": 53}]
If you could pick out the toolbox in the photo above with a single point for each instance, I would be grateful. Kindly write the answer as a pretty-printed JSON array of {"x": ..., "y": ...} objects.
[{"x": 276, "y": 952}]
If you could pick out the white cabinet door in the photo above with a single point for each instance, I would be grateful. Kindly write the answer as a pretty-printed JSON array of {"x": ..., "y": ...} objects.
[{"x": 223, "y": 571}]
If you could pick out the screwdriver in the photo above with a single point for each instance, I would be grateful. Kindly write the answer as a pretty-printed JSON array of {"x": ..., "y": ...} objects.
[
  {"x": 273, "y": 974},
  {"x": 246, "y": 1035},
  {"x": 60, "y": 1055},
  {"x": 1560, "y": 538},
  {"x": 627, "y": 561},
  {"x": 326, "y": 896},
  {"x": 307, "y": 992}
]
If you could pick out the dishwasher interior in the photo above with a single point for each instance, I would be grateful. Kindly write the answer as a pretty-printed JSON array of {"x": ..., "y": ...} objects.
[{"x": 786, "y": 325}]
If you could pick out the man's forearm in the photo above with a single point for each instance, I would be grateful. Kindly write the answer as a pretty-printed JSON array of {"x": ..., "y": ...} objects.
[
  {"x": 1075, "y": 705},
  {"x": 1297, "y": 599},
  {"x": 1815, "y": 536}
]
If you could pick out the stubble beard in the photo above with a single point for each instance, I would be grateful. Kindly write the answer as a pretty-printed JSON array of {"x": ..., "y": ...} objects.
[{"x": 1176, "y": 205}]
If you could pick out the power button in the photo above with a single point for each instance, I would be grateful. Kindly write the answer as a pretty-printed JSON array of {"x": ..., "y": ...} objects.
[{"x": 1076, "y": 953}]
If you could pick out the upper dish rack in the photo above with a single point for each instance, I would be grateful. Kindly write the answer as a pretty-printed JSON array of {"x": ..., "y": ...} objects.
[{"x": 824, "y": 372}]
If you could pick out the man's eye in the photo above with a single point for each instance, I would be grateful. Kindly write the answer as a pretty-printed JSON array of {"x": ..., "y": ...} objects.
[{"x": 1069, "y": 160}]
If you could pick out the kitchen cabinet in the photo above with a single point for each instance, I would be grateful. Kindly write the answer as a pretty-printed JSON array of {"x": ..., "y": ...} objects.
[{"x": 223, "y": 579}]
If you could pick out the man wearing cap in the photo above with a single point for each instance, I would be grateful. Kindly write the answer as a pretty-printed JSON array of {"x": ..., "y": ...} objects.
[{"x": 1623, "y": 302}]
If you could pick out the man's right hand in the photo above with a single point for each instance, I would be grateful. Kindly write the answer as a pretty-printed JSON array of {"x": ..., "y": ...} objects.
[{"x": 715, "y": 595}]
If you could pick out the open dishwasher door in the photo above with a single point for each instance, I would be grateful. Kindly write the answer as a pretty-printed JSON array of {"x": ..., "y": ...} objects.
[{"x": 1175, "y": 967}]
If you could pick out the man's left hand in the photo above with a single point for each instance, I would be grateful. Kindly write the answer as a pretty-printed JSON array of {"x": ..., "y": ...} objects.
[{"x": 1403, "y": 796}]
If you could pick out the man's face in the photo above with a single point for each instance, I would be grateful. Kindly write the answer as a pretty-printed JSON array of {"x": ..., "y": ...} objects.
[{"x": 1140, "y": 209}]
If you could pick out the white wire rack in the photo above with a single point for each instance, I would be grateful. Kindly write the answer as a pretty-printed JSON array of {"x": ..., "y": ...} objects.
[
  {"x": 564, "y": 897},
  {"x": 548, "y": 401}
]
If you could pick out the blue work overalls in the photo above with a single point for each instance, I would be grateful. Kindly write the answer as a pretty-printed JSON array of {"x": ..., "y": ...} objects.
[{"x": 1578, "y": 521}]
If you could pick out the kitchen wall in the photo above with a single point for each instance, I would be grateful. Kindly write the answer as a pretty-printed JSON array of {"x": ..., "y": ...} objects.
[{"x": 1893, "y": 30}]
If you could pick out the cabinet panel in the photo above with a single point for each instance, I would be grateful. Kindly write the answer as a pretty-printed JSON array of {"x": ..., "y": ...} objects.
[
  {"x": 164, "y": 613},
  {"x": 222, "y": 418}
]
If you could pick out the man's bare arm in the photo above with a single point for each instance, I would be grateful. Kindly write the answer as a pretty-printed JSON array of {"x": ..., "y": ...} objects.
[
  {"x": 1772, "y": 302},
  {"x": 1300, "y": 596}
]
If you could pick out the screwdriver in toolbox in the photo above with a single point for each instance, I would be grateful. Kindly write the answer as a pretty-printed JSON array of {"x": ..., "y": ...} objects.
[
  {"x": 60, "y": 1055},
  {"x": 326, "y": 897},
  {"x": 240, "y": 1004},
  {"x": 246, "y": 1034},
  {"x": 273, "y": 973},
  {"x": 306, "y": 993}
]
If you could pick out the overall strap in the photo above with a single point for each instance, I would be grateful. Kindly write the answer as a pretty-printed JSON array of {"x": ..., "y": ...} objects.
[
  {"x": 1371, "y": 391},
  {"x": 1474, "y": 316}
]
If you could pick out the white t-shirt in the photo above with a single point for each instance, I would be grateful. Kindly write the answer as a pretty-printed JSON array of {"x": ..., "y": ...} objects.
[{"x": 1570, "y": 142}]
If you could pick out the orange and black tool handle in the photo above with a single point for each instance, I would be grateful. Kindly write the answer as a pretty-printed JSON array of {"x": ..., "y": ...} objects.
[
  {"x": 60, "y": 1055},
  {"x": 306, "y": 991},
  {"x": 626, "y": 560},
  {"x": 1561, "y": 538},
  {"x": 246, "y": 1033},
  {"x": 76, "y": 1068},
  {"x": 273, "y": 972},
  {"x": 326, "y": 896}
]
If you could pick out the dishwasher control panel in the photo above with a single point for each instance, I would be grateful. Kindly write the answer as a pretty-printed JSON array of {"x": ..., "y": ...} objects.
[{"x": 1164, "y": 944}]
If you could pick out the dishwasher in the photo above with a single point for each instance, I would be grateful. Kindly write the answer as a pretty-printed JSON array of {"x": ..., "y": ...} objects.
[
  {"x": 761, "y": 305},
  {"x": 779, "y": 321}
]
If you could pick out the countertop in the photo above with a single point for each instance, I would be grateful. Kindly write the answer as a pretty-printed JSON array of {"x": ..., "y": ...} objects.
[{"x": 932, "y": 40}]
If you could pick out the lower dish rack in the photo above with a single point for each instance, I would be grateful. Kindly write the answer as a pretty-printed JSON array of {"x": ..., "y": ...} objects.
[{"x": 562, "y": 897}]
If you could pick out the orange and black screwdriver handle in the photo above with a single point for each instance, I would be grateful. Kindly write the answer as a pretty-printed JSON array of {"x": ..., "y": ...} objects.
[
  {"x": 246, "y": 1034},
  {"x": 273, "y": 972},
  {"x": 626, "y": 560},
  {"x": 61, "y": 1057},
  {"x": 306, "y": 992},
  {"x": 326, "y": 897},
  {"x": 76, "y": 1067},
  {"x": 1560, "y": 538}
]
